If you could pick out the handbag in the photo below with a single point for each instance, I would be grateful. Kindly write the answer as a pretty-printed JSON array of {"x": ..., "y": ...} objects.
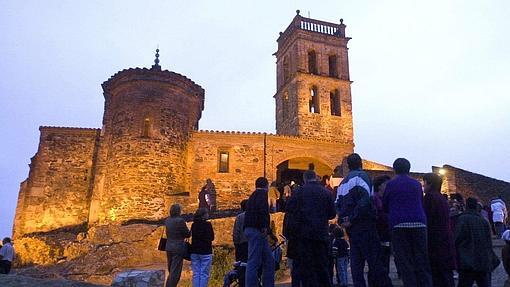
[
  {"x": 187, "y": 251},
  {"x": 162, "y": 242}
]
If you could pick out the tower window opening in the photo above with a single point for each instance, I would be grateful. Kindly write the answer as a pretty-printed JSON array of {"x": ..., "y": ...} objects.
[
  {"x": 312, "y": 63},
  {"x": 146, "y": 127},
  {"x": 285, "y": 69},
  {"x": 314, "y": 101},
  {"x": 223, "y": 162},
  {"x": 285, "y": 104},
  {"x": 333, "y": 69},
  {"x": 334, "y": 101}
]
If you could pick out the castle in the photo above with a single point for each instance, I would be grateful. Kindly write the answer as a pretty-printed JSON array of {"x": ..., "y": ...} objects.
[{"x": 149, "y": 152}]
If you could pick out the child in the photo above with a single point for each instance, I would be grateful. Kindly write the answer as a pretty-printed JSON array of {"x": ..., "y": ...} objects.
[
  {"x": 340, "y": 252},
  {"x": 505, "y": 254}
]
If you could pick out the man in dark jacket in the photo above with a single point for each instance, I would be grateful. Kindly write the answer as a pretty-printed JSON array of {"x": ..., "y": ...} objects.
[
  {"x": 357, "y": 214},
  {"x": 440, "y": 238},
  {"x": 476, "y": 259},
  {"x": 256, "y": 229},
  {"x": 316, "y": 207}
]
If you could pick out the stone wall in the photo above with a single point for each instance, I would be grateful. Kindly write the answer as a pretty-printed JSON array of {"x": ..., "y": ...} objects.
[
  {"x": 470, "y": 184},
  {"x": 57, "y": 191},
  {"x": 148, "y": 117},
  {"x": 251, "y": 155},
  {"x": 323, "y": 125}
]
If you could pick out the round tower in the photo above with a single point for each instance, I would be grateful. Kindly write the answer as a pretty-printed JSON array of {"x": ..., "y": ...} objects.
[{"x": 148, "y": 118}]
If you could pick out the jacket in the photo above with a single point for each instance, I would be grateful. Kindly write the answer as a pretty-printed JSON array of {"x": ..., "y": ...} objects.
[
  {"x": 403, "y": 200},
  {"x": 383, "y": 228},
  {"x": 316, "y": 209},
  {"x": 473, "y": 242},
  {"x": 441, "y": 248},
  {"x": 257, "y": 210},
  {"x": 176, "y": 232},
  {"x": 353, "y": 201},
  {"x": 499, "y": 211},
  {"x": 202, "y": 235},
  {"x": 238, "y": 233}
]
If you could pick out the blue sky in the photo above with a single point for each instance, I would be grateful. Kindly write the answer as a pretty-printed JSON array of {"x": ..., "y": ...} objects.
[{"x": 430, "y": 77}]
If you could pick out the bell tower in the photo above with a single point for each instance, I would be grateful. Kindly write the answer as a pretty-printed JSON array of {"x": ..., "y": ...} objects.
[{"x": 313, "y": 97}]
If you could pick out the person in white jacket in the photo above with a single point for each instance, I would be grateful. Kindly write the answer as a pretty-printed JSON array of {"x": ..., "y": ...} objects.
[{"x": 499, "y": 214}]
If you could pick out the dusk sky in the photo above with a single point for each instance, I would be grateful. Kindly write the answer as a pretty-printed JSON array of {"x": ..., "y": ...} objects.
[{"x": 430, "y": 77}]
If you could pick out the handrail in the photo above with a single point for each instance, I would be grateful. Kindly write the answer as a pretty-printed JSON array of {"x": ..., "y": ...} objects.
[
  {"x": 318, "y": 26},
  {"x": 312, "y": 25}
]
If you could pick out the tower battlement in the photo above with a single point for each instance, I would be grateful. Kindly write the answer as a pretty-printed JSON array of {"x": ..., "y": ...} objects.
[{"x": 313, "y": 25}]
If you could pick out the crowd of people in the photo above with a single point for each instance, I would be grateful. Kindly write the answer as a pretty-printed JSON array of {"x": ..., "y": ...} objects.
[{"x": 359, "y": 222}]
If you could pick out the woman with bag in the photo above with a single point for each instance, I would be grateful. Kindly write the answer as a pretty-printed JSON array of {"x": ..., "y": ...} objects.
[
  {"x": 176, "y": 233},
  {"x": 202, "y": 235}
]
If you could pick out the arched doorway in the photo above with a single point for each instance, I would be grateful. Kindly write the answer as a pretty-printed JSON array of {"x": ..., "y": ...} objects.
[{"x": 293, "y": 169}]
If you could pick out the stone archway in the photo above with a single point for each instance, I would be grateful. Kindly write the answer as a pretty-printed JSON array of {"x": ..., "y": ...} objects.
[{"x": 292, "y": 169}]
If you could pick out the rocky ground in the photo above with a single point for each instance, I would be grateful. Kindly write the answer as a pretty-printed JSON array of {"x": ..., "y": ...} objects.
[{"x": 20, "y": 278}]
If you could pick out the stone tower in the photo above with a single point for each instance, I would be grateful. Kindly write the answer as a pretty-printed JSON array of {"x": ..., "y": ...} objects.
[
  {"x": 149, "y": 116},
  {"x": 313, "y": 97}
]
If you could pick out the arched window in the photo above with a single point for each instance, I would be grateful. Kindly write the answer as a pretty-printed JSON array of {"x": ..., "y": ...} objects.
[
  {"x": 285, "y": 105},
  {"x": 286, "y": 71},
  {"x": 314, "y": 101},
  {"x": 333, "y": 69},
  {"x": 334, "y": 102},
  {"x": 312, "y": 63},
  {"x": 146, "y": 127}
]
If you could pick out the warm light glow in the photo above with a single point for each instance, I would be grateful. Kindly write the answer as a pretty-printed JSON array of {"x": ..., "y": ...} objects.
[{"x": 442, "y": 171}]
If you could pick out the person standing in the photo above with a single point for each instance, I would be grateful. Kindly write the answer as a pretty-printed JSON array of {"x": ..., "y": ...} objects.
[
  {"x": 499, "y": 214},
  {"x": 176, "y": 232},
  {"x": 287, "y": 190},
  {"x": 202, "y": 235},
  {"x": 340, "y": 251},
  {"x": 240, "y": 242},
  {"x": 202, "y": 198},
  {"x": 256, "y": 229},
  {"x": 326, "y": 182},
  {"x": 457, "y": 207},
  {"x": 6, "y": 256},
  {"x": 403, "y": 200},
  {"x": 357, "y": 215},
  {"x": 315, "y": 206},
  {"x": 505, "y": 255},
  {"x": 291, "y": 225},
  {"x": 382, "y": 225},
  {"x": 210, "y": 191},
  {"x": 440, "y": 238},
  {"x": 273, "y": 195},
  {"x": 474, "y": 248}
]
